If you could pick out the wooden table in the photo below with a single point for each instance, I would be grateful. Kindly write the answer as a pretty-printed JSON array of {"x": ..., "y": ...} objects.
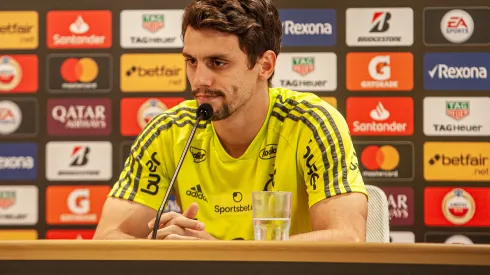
[{"x": 238, "y": 257}]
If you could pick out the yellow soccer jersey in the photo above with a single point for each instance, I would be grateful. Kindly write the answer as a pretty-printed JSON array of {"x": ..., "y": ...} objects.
[{"x": 304, "y": 147}]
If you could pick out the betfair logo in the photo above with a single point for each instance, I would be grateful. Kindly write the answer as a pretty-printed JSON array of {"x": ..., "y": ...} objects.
[
  {"x": 452, "y": 161},
  {"x": 19, "y": 30},
  {"x": 153, "y": 73}
]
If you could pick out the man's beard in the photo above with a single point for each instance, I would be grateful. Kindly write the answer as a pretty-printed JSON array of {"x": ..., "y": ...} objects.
[{"x": 225, "y": 111}]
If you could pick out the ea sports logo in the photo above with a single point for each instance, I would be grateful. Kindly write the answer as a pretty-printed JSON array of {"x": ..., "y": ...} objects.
[
  {"x": 79, "y": 70},
  {"x": 10, "y": 73},
  {"x": 457, "y": 26},
  {"x": 458, "y": 206},
  {"x": 10, "y": 117}
]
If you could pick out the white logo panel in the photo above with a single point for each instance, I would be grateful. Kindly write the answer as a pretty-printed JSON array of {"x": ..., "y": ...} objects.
[
  {"x": 379, "y": 27},
  {"x": 151, "y": 28},
  {"x": 402, "y": 237},
  {"x": 79, "y": 160},
  {"x": 306, "y": 71},
  {"x": 457, "y": 116},
  {"x": 18, "y": 205}
]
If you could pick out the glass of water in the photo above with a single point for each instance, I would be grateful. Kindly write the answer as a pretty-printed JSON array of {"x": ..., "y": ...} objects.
[{"x": 271, "y": 215}]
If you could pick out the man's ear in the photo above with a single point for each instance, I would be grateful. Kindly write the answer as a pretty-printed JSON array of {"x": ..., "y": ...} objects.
[{"x": 267, "y": 64}]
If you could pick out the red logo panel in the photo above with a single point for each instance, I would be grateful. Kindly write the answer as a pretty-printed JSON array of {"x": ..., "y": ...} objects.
[
  {"x": 70, "y": 234},
  {"x": 137, "y": 112},
  {"x": 453, "y": 206},
  {"x": 380, "y": 116},
  {"x": 19, "y": 73},
  {"x": 79, "y": 29}
]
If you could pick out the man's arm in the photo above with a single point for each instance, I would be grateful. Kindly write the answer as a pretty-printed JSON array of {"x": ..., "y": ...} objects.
[
  {"x": 341, "y": 219},
  {"x": 124, "y": 219},
  {"x": 337, "y": 196}
]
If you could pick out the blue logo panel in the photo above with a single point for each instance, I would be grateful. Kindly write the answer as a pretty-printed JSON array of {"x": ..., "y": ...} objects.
[
  {"x": 308, "y": 27},
  {"x": 457, "y": 71},
  {"x": 18, "y": 161}
]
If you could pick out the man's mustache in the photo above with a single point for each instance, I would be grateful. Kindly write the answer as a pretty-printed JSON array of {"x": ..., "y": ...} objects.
[{"x": 208, "y": 92}]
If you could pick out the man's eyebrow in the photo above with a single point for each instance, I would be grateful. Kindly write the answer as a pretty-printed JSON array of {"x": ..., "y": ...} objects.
[{"x": 211, "y": 57}]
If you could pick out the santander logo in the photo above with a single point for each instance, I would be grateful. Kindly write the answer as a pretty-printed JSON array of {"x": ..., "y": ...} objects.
[
  {"x": 79, "y": 29},
  {"x": 390, "y": 116}
]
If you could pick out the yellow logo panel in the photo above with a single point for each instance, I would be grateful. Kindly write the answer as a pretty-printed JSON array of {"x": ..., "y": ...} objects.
[
  {"x": 18, "y": 234},
  {"x": 153, "y": 73},
  {"x": 330, "y": 100},
  {"x": 19, "y": 30},
  {"x": 457, "y": 161}
]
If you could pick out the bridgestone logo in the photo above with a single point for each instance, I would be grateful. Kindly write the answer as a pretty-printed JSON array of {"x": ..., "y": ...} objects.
[
  {"x": 93, "y": 173},
  {"x": 379, "y": 39},
  {"x": 291, "y": 28}
]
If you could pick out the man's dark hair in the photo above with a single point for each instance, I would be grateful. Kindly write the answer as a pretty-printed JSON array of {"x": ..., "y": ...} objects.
[{"x": 256, "y": 23}]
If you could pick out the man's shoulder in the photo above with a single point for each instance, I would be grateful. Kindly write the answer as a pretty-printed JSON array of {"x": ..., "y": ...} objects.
[
  {"x": 179, "y": 115},
  {"x": 302, "y": 107}
]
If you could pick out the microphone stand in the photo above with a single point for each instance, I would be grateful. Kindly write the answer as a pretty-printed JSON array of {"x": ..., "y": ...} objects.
[{"x": 204, "y": 112}]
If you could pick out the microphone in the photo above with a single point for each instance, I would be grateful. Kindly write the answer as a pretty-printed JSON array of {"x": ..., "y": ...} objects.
[{"x": 204, "y": 112}]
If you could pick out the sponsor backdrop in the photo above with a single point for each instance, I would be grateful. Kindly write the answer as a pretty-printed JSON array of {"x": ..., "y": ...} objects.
[{"x": 79, "y": 80}]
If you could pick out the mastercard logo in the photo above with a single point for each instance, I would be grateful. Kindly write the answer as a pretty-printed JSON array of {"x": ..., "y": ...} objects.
[
  {"x": 384, "y": 157},
  {"x": 79, "y": 70}
]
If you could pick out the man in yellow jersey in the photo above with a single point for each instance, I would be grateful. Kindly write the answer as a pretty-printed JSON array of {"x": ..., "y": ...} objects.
[{"x": 259, "y": 138}]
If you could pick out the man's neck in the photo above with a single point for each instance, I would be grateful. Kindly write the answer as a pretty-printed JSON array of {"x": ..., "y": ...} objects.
[{"x": 237, "y": 132}]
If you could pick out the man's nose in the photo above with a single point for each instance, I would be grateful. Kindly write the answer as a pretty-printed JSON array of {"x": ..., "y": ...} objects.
[{"x": 203, "y": 76}]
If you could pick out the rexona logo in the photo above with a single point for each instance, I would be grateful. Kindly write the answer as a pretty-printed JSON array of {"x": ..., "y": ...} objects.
[
  {"x": 453, "y": 161},
  {"x": 306, "y": 71},
  {"x": 379, "y": 71},
  {"x": 380, "y": 116},
  {"x": 457, "y": 71},
  {"x": 19, "y": 73},
  {"x": 80, "y": 73},
  {"x": 308, "y": 27},
  {"x": 153, "y": 73},
  {"x": 18, "y": 161},
  {"x": 79, "y": 29},
  {"x": 196, "y": 192},
  {"x": 268, "y": 152},
  {"x": 79, "y": 116},
  {"x": 457, "y": 116},
  {"x": 453, "y": 26},
  {"x": 19, "y": 30},
  {"x": 457, "y": 206},
  {"x": 379, "y": 27},
  {"x": 151, "y": 28},
  {"x": 137, "y": 112},
  {"x": 381, "y": 161}
]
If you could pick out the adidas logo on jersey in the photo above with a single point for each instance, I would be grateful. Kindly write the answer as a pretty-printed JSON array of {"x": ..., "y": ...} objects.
[{"x": 196, "y": 192}]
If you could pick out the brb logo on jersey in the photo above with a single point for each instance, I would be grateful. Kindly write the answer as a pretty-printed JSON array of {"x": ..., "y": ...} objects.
[
  {"x": 457, "y": 71},
  {"x": 308, "y": 27}
]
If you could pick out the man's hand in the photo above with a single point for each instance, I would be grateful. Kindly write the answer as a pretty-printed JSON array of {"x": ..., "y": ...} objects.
[{"x": 175, "y": 226}]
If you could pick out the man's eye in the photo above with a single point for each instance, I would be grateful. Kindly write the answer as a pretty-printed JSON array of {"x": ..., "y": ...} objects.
[
  {"x": 218, "y": 63},
  {"x": 190, "y": 61}
]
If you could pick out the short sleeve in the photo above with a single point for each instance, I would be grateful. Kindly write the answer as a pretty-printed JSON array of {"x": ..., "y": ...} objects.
[{"x": 327, "y": 156}]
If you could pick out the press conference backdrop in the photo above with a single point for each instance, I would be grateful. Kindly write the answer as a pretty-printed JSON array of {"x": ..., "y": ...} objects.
[{"x": 79, "y": 80}]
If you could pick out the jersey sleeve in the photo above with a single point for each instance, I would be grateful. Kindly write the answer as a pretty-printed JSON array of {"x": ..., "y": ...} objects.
[
  {"x": 327, "y": 156},
  {"x": 144, "y": 178}
]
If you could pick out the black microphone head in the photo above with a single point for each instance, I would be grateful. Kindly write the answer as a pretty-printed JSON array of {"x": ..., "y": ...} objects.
[{"x": 205, "y": 110}]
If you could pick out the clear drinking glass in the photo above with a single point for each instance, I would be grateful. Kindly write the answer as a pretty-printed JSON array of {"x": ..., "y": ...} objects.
[{"x": 271, "y": 215}]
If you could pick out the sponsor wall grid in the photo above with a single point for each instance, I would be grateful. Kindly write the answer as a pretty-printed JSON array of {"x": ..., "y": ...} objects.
[{"x": 442, "y": 79}]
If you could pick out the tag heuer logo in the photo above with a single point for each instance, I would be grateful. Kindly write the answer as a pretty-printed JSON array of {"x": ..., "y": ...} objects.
[
  {"x": 303, "y": 65},
  {"x": 457, "y": 109},
  {"x": 7, "y": 199},
  {"x": 153, "y": 22}
]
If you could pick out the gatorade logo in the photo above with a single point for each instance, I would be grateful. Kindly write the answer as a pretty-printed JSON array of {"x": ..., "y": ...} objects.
[{"x": 268, "y": 152}]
